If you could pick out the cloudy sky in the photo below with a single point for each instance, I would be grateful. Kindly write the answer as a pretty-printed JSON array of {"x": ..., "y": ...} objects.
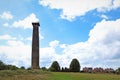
[{"x": 88, "y": 30}]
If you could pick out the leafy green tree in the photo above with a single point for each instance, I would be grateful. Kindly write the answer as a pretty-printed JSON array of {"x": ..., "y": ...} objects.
[
  {"x": 44, "y": 68},
  {"x": 118, "y": 71},
  {"x": 22, "y": 67},
  {"x": 67, "y": 69},
  {"x": 62, "y": 70},
  {"x": 2, "y": 65},
  {"x": 7, "y": 67},
  {"x": 11, "y": 67},
  {"x": 55, "y": 66},
  {"x": 75, "y": 66},
  {"x": 29, "y": 68}
]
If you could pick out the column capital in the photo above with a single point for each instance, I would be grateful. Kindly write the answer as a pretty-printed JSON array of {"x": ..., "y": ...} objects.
[{"x": 35, "y": 24}]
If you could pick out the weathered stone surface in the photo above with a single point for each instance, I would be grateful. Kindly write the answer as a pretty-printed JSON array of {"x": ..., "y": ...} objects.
[{"x": 35, "y": 46}]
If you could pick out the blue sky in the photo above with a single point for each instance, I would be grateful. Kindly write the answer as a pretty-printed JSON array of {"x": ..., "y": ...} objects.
[{"x": 84, "y": 29}]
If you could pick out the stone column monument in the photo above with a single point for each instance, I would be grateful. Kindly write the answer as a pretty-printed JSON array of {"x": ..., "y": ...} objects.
[{"x": 35, "y": 46}]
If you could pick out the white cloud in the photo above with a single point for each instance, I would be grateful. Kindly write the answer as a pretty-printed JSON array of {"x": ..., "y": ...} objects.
[
  {"x": 16, "y": 53},
  {"x": 104, "y": 16},
  {"x": 102, "y": 46},
  {"x": 6, "y": 24},
  {"x": 29, "y": 38},
  {"x": 6, "y": 15},
  {"x": 54, "y": 43},
  {"x": 104, "y": 29},
  {"x": 47, "y": 55},
  {"x": 63, "y": 46},
  {"x": 26, "y": 22},
  {"x": 73, "y": 8},
  {"x": 7, "y": 37},
  {"x": 116, "y": 3},
  {"x": 41, "y": 36},
  {"x": 100, "y": 50}
]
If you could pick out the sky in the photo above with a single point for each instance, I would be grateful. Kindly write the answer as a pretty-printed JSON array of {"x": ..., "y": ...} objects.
[{"x": 88, "y": 30}]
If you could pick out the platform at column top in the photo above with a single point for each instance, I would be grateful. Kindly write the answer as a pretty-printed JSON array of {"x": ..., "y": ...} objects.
[{"x": 36, "y": 23}]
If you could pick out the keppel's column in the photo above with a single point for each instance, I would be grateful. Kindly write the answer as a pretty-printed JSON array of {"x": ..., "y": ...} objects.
[{"x": 35, "y": 46}]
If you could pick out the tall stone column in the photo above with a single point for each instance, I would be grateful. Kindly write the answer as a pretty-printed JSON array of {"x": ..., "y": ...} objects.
[{"x": 35, "y": 46}]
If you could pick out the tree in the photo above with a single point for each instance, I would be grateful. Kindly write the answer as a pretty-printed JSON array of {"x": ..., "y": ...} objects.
[
  {"x": 62, "y": 70},
  {"x": 7, "y": 67},
  {"x": 55, "y": 66},
  {"x": 118, "y": 71},
  {"x": 22, "y": 67},
  {"x": 2, "y": 65},
  {"x": 67, "y": 69},
  {"x": 29, "y": 68},
  {"x": 44, "y": 68},
  {"x": 11, "y": 67},
  {"x": 75, "y": 66}
]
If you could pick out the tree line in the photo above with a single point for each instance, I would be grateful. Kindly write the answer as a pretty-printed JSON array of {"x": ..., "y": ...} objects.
[
  {"x": 4, "y": 66},
  {"x": 55, "y": 67},
  {"x": 74, "y": 67}
]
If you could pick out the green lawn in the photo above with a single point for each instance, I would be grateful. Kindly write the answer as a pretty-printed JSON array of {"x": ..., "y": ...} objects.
[
  {"x": 83, "y": 76},
  {"x": 45, "y": 75}
]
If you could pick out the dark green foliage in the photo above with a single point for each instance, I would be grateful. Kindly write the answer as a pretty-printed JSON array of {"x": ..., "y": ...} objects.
[
  {"x": 44, "y": 68},
  {"x": 22, "y": 67},
  {"x": 65, "y": 69},
  {"x": 29, "y": 68},
  {"x": 62, "y": 70},
  {"x": 11, "y": 67},
  {"x": 7, "y": 67},
  {"x": 2, "y": 66},
  {"x": 75, "y": 66},
  {"x": 55, "y": 66},
  {"x": 118, "y": 71}
]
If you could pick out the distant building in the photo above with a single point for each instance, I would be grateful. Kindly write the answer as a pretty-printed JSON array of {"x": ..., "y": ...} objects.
[
  {"x": 97, "y": 70},
  {"x": 87, "y": 69},
  {"x": 109, "y": 70}
]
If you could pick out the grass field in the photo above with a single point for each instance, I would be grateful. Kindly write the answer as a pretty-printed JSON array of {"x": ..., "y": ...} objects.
[
  {"x": 83, "y": 76},
  {"x": 45, "y": 75}
]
